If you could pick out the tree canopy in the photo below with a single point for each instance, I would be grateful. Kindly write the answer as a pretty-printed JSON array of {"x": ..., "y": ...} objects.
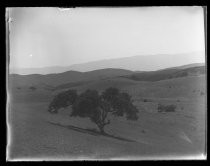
[
  {"x": 97, "y": 106},
  {"x": 62, "y": 100}
]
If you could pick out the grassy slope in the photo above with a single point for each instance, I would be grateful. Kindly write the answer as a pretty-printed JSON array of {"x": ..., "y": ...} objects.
[{"x": 184, "y": 87}]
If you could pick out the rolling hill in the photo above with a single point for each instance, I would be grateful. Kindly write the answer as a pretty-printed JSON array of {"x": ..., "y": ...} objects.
[
  {"x": 135, "y": 77},
  {"x": 188, "y": 66},
  {"x": 64, "y": 78},
  {"x": 167, "y": 74},
  {"x": 104, "y": 77}
]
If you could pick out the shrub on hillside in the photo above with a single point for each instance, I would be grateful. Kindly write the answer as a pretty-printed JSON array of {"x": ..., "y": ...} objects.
[
  {"x": 166, "y": 108},
  {"x": 202, "y": 93},
  {"x": 147, "y": 100},
  {"x": 32, "y": 88}
]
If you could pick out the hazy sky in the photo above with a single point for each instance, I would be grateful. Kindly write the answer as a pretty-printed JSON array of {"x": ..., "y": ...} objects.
[{"x": 42, "y": 37}]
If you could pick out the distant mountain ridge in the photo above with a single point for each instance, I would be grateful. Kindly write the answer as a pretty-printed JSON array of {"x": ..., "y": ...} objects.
[{"x": 134, "y": 63}]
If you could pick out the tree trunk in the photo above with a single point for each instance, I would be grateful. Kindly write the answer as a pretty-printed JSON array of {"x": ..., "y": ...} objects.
[
  {"x": 53, "y": 111},
  {"x": 101, "y": 128}
]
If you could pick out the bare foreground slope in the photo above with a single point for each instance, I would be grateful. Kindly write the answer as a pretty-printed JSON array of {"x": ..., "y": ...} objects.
[{"x": 39, "y": 135}]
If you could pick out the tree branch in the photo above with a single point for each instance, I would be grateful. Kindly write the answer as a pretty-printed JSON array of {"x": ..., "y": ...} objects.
[{"x": 108, "y": 122}]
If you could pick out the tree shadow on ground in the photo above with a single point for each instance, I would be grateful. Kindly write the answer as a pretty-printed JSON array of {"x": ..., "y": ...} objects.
[{"x": 91, "y": 132}]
